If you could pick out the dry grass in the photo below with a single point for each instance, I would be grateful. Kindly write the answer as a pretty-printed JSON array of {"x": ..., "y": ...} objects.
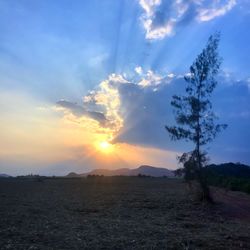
[{"x": 112, "y": 213}]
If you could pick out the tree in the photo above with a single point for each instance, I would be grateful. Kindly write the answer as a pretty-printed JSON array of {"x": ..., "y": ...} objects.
[{"x": 193, "y": 111}]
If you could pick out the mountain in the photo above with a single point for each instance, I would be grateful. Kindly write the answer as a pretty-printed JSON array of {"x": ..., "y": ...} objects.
[
  {"x": 230, "y": 169},
  {"x": 72, "y": 175},
  {"x": 152, "y": 171},
  {"x": 107, "y": 172},
  {"x": 142, "y": 170},
  {"x": 4, "y": 176},
  {"x": 233, "y": 176}
]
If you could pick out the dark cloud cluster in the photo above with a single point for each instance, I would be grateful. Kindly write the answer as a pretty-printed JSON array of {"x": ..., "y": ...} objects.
[
  {"x": 144, "y": 110},
  {"x": 80, "y": 111}
]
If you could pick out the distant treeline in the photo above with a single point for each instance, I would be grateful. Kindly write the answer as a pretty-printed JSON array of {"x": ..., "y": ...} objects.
[{"x": 234, "y": 176}]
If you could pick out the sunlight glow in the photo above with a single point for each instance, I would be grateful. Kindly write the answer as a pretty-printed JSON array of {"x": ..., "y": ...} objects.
[{"x": 105, "y": 147}]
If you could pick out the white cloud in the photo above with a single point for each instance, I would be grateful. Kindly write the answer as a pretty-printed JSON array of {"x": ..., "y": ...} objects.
[
  {"x": 99, "y": 114},
  {"x": 160, "y": 32},
  {"x": 149, "y": 5},
  {"x": 107, "y": 98},
  {"x": 161, "y": 17},
  {"x": 138, "y": 70},
  {"x": 171, "y": 75},
  {"x": 207, "y": 14},
  {"x": 153, "y": 13},
  {"x": 150, "y": 79}
]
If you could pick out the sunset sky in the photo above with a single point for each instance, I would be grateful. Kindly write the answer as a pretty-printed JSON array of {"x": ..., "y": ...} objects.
[{"x": 88, "y": 84}]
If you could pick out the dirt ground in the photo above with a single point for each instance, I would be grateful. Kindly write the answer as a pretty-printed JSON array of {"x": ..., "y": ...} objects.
[
  {"x": 119, "y": 213},
  {"x": 233, "y": 205}
]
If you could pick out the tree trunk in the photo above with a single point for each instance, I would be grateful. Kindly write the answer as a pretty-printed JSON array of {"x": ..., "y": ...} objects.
[
  {"x": 202, "y": 180},
  {"x": 206, "y": 196}
]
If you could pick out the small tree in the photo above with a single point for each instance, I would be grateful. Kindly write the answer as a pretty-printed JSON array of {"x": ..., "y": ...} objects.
[{"x": 193, "y": 112}]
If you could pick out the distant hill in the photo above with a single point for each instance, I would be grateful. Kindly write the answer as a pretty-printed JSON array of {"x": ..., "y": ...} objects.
[
  {"x": 226, "y": 169},
  {"x": 72, "y": 175},
  {"x": 4, "y": 176},
  {"x": 142, "y": 170},
  {"x": 152, "y": 171},
  {"x": 230, "y": 169},
  {"x": 107, "y": 172},
  {"x": 233, "y": 176}
]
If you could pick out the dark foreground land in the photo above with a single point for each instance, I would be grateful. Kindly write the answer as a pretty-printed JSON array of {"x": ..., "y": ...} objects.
[{"x": 118, "y": 213}]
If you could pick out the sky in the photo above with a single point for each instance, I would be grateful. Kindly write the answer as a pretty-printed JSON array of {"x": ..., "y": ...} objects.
[{"x": 88, "y": 84}]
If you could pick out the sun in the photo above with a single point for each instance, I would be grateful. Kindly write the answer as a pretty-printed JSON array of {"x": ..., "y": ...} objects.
[{"x": 105, "y": 147}]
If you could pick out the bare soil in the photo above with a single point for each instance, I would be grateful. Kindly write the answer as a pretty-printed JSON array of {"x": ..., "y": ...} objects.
[
  {"x": 233, "y": 205},
  {"x": 119, "y": 213}
]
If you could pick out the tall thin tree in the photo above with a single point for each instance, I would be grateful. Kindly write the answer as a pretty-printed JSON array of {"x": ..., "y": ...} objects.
[{"x": 193, "y": 111}]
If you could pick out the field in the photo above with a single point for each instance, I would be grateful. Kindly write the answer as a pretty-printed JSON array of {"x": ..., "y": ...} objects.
[{"x": 118, "y": 213}]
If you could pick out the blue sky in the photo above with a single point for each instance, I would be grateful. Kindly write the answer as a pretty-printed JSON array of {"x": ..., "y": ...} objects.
[{"x": 59, "y": 59}]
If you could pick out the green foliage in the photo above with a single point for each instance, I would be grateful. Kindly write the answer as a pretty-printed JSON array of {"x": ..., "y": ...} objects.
[
  {"x": 235, "y": 177},
  {"x": 193, "y": 111},
  {"x": 230, "y": 169},
  {"x": 232, "y": 183}
]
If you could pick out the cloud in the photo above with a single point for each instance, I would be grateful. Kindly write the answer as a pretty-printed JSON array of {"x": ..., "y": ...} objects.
[
  {"x": 138, "y": 70},
  {"x": 207, "y": 14},
  {"x": 104, "y": 103},
  {"x": 129, "y": 105},
  {"x": 152, "y": 79},
  {"x": 135, "y": 124},
  {"x": 147, "y": 111},
  {"x": 171, "y": 75},
  {"x": 137, "y": 110},
  {"x": 107, "y": 98},
  {"x": 100, "y": 105},
  {"x": 161, "y": 17},
  {"x": 79, "y": 111},
  {"x": 156, "y": 19}
]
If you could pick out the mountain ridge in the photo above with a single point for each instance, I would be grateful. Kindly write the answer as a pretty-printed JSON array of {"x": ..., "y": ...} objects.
[
  {"x": 4, "y": 175},
  {"x": 142, "y": 170}
]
